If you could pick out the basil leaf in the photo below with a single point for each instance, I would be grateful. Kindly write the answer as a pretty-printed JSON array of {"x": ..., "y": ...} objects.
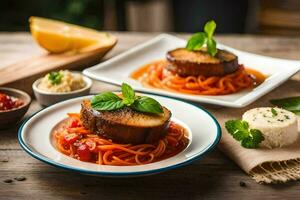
[
  {"x": 248, "y": 143},
  {"x": 55, "y": 77},
  {"x": 297, "y": 112},
  {"x": 234, "y": 126},
  {"x": 200, "y": 39},
  {"x": 210, "y": 28},
  {"x": 252, "y": 141},
  {"x": 240, "y": 135},
  {"x": 196, "y": 41},
  {"x": 109, "y": 105},
  {"x": 147, "y": 104},
  {"x": 211, "y": 46},
  {"x": 128, "y": 102},
  {"x": 230, "y": 126},
  {"x": 107, "y": 101},
  {"x": 257, "y": 136},
  {"x": 291, "y": 104},
  {"x": 128, "y": 93},
  {"x": 105, "y": 96},
  {"x": 110, "y": 101},
  {"x": 239, "y": 129}
]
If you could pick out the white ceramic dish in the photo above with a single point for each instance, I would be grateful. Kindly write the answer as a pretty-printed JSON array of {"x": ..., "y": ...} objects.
[
  {"x": 118, "y": 69},
  {"x": 35, "y": 138},
  {"x": 48, "y": 98}
]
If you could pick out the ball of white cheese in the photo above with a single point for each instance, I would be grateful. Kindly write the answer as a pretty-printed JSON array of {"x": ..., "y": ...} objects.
[{"x": 278, "y": 126}]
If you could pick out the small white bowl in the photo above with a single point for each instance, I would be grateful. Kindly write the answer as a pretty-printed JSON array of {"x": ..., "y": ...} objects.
[{"x": 46, "y": 98}]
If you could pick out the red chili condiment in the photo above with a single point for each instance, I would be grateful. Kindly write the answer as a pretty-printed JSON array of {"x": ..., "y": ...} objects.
[{"x": 8, "y": 102}]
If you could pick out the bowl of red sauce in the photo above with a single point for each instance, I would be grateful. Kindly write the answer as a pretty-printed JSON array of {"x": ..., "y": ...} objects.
[{"x": 13, "y": 106}]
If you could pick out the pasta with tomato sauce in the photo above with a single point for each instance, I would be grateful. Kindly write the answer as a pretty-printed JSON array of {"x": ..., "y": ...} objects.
[
  {"x": 72, "y": 139},
  {"x": 157, "y": 75}
]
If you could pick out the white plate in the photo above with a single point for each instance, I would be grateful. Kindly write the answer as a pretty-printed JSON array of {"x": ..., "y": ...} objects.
[
  {"x": 118, "y": 69},
  {"x": 35, "y": 138}
]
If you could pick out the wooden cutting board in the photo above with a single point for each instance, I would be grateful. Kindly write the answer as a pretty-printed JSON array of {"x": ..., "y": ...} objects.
[{"x": 23, "y": 73}]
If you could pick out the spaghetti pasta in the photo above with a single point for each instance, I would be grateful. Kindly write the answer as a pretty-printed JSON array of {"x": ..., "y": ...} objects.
[
  {"x": 72, "y": 139},
  {"x": 156, "y": 75}
]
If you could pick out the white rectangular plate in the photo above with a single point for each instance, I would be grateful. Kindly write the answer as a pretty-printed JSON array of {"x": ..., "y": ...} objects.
[{"x": 118, "y": 69}]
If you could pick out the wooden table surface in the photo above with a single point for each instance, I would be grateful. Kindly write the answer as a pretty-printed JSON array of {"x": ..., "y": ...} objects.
[{"x": 214, "y": 177}]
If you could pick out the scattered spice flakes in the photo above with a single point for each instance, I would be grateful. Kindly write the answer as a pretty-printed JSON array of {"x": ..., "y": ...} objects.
[
  {"x": 242, "y": 184},
  {"x": 286, "y": 116},
  {"x": 20, "y": 178},
  {"x": 8, "y": 181}
]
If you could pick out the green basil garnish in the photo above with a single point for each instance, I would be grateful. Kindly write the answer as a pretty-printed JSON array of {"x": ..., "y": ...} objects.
[
  {"x": 291, "y": 104},
  {"x": 109, "y": 105},
  {"x": 55, "y": 77},
  {"x": 110, "y": 101},
  {"x": 198, "y": 40},
  {"x": 107, "y": 101},
  {"x": 147, "y": 104},
  {"x": 240, "y": 131},
  {"x": 128, "y": 94}
]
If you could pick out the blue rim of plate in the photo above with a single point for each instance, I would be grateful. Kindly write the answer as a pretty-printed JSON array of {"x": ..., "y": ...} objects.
[{"x": 44, "y": 159}]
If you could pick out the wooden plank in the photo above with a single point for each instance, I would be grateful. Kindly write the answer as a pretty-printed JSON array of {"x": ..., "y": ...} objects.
[
  {"x": 46, "y": 62},
  {"x": 27, "y": 70},
  {"x": 214, "y": 177}
]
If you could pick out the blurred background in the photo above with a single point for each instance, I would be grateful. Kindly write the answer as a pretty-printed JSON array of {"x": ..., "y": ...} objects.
[{"x": 276, "y": 17}]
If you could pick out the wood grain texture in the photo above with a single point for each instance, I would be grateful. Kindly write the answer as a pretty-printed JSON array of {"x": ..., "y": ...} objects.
[
  {"x": 214, "y": 177},
  {"x": 26, "y": 70}
]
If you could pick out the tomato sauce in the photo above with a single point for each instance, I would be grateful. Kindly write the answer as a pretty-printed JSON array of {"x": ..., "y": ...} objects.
[{"x": 8, "y": 102}]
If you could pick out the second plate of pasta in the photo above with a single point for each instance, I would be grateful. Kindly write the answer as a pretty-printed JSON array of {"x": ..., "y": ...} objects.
[{"x": 145, "y": 68}]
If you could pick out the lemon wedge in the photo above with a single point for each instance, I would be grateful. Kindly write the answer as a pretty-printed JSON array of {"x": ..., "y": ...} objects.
[{"x": 58, "y": 37}]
